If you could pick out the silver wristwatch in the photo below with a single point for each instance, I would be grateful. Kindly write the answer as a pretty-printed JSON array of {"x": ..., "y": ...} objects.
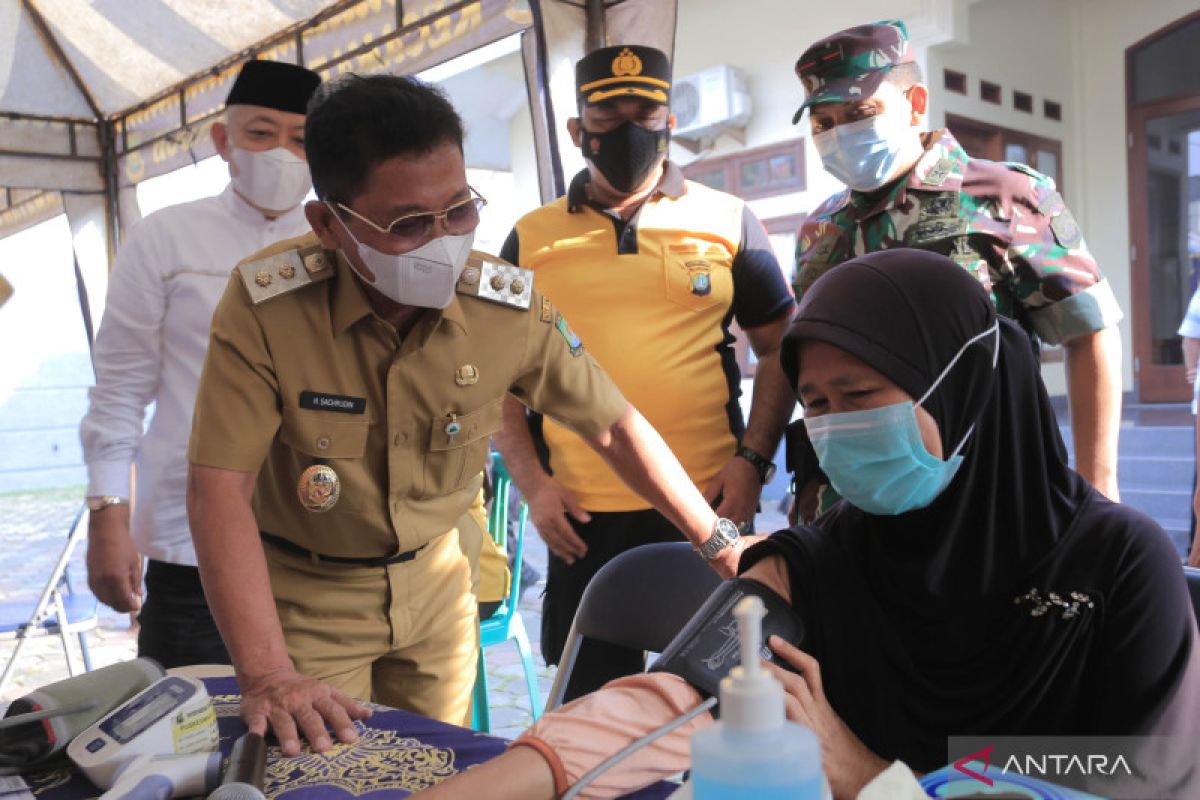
[
  {"x": 101, "y": 502},
  {"x": 724, "y": 534}
]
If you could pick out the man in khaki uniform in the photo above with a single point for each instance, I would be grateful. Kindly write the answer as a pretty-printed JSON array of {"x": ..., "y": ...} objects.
[{"x": 353, "y": 380}]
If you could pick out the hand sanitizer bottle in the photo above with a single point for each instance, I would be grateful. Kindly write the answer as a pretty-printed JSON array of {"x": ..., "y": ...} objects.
[{"x": 753, "y": 753}]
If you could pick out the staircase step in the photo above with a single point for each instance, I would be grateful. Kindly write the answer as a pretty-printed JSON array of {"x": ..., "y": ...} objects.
[
  {"x": 1170, "y": 441},
  {"x": 1155, "y": 472},
  {"x": 1162, "y": 505},
  {"x": 1177, "y": 529}
]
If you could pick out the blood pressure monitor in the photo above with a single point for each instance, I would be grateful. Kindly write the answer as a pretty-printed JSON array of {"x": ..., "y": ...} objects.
[{"x": 173, "y": 715}]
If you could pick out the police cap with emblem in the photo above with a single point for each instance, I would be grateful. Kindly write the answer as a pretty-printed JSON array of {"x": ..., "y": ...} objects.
[
  {"x": 626, "y": 70},
  {"x": 852, "y": 63},
  {"x": 273, "y": 84}
]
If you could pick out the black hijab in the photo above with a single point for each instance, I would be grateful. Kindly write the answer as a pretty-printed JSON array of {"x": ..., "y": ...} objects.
[
  {"x": 907, "y": 314},
  {"x": 925, "y": 622}
]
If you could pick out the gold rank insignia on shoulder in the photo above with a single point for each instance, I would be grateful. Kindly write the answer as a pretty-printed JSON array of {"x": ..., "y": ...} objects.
[
  {"x": 491, "y": 278},
  {"x": 280, "y": 273}
]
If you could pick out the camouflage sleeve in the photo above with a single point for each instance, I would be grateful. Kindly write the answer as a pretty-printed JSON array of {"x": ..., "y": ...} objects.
[
  {"x": 1055, "y": 279},
  {"x": 821, "y": 244}
]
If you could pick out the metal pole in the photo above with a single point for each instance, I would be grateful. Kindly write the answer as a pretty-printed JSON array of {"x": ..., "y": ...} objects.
[{"x": 594, "y": 37}]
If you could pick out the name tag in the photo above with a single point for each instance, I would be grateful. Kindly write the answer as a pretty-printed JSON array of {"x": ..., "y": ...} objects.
[{"x": 319, "y": 401}]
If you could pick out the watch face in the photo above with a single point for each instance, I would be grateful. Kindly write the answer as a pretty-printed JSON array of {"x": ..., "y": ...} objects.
[{"x": 727, "y": 530}]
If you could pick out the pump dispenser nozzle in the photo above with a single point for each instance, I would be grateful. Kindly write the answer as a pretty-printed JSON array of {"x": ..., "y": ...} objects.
[{"x": 751, "y": 699}]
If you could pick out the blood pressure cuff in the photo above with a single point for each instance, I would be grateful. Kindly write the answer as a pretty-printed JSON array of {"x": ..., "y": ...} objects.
[
  {"x": 38, "y": 727},
  {"x": 707, "y": 647}
]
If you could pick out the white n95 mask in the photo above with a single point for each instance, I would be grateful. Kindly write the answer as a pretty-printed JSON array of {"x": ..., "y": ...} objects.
[
  {"x": 424, "y": 277},
  {"x": 273, "y": 180}
]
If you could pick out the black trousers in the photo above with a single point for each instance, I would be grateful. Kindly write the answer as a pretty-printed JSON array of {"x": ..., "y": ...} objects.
[
  {"x": 607, "y": 535},
  {"x": 177, "y": 629}
]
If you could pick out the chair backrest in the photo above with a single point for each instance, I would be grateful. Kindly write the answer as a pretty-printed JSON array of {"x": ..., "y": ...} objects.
[
  {"x": 498, "y": 528},
  {"x": 1192, "y": 576},
  {"x": 645, "y": 596}
]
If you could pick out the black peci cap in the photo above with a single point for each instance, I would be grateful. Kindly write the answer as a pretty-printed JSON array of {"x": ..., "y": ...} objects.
[{"x": 273, "y": 84}]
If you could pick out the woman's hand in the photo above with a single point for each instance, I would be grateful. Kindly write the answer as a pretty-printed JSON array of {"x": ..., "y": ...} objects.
[{"x": 848, "y": 764}]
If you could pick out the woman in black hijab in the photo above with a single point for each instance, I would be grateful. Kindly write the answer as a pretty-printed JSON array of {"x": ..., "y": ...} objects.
[
  {"x": 1017, "y": 600},
  {"x": 969, "y": 584}
]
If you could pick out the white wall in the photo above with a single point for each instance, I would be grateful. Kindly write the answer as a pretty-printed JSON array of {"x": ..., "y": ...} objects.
[
  {"x": 763, "y": 39},
  {"x": 984, "y": 50}
]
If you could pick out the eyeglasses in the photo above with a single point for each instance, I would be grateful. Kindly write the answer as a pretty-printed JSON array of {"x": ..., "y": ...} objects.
[{"x": 413, "y": 230}]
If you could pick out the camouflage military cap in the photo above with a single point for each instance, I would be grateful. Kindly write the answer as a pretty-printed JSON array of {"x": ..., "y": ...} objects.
[{"x": 851, "y": 63}]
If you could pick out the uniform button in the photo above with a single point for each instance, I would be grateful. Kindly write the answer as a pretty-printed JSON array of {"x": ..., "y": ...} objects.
[
  {"x": 323, "y": 443},
  {"x": 400, "y": 439}
]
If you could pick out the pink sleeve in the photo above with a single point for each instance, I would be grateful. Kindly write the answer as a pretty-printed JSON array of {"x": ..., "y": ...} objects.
[{"x": 583, "y": 733}]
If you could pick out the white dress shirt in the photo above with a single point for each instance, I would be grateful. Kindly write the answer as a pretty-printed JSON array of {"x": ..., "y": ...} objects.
[{"x": 170, "y": 273}]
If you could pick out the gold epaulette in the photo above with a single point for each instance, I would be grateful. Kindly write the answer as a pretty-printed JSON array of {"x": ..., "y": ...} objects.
[
  {"x": 286, "y": 271},
  {"x": 494, "y": 279}
]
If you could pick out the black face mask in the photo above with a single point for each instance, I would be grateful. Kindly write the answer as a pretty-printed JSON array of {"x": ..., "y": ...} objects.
[{"x": 626, "y": 154}]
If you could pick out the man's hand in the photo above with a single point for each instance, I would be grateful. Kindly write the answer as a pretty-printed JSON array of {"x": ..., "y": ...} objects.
[
  {"x": 114, "y": 566},
  {"x": 848, "y": 764},
  {"x": 549, "y": 504},
  {"x": 726, "y": 562},
  {"x": 291, "y": 704},
  {"x": 738, "y": 486}
]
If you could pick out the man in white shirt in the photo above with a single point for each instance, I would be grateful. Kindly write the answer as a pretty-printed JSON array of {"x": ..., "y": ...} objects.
[
  {"x": 169, "y": 275},
  {"x": 1189, "y": 329}
]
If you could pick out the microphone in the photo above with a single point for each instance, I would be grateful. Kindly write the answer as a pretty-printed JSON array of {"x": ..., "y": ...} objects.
[
  {"x": 41, "y": 724},
  {"x": 246, "y": 774}
]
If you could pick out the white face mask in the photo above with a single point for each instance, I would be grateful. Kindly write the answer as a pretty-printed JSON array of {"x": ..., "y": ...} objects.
[
  {"x": 424, "y": 277},
  {"x": 864, "y": 154},
  {"x": 273, "y": 180}
]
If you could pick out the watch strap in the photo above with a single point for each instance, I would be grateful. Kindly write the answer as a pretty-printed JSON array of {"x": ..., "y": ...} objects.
[
  {"x": 95, "y": 504},
  {"x": 761, "y": 463}
]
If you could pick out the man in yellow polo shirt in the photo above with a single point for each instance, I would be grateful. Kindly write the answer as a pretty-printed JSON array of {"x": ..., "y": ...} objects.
[{"x": 651, "y": 270}]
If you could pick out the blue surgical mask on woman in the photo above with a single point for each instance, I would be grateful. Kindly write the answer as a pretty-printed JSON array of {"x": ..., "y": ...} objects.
[
  {"x": 864, "y": 154},
  {"x": 877, "y": 460}
]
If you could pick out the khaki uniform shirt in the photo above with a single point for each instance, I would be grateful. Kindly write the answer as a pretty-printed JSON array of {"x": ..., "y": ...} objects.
[{"x": 313, "y": 376}]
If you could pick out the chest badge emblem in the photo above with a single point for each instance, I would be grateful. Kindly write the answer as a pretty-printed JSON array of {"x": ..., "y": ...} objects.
[
  {"x": 319, "y": 488},
  {"x": 466, "y": 375}
]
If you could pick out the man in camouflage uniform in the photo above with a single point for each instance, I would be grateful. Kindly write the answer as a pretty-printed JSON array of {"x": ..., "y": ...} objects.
[{"x": 1003, "y": 222}]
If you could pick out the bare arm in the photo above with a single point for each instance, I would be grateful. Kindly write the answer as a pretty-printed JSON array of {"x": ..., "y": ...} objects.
[
  {"x": 233, "y": 569},
  {"x": 114, "y": 565},
  {"x": 738, "y": 484},
  {"x": 1094, "y": 394},
  {"x": 1191, "y": 354},
  {"x": 549, "y": 500},
  {"x": 642, "y": 459}
]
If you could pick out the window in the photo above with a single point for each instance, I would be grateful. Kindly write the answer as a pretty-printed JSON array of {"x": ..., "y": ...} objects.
[
  {"x": 954, "y": 81},
  {"x": 761, "y": 172},
  {"x": 1051, "y": 110},
  {"x": 990, "y": 92},
  {"x": 984, "y": 140},
  {"x": 1023, "y": 101}
]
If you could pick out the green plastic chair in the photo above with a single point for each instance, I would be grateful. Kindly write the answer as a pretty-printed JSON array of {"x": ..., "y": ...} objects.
[{"x": 505, "y": 623}]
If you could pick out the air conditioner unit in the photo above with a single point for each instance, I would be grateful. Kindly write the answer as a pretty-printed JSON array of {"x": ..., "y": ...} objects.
[{"x": 709, "y": 103}]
